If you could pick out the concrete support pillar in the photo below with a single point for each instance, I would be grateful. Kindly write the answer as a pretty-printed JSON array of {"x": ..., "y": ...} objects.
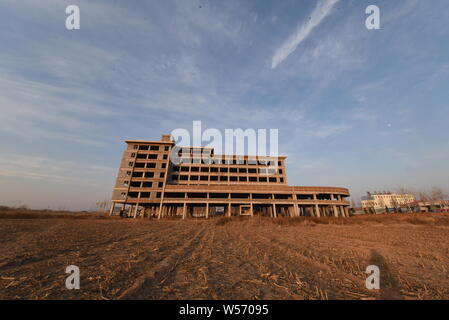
[
  {"x": 252, "y": 210},
  {"x": 335, "y": 211},
  {"x": 112, "y": 208},
  {"x": 317, "y": 208},
  {"x": 274, "y": 211},
  {"x": 130, "y": 210},
  {"x": 229, "y": 213},
  {"x": 295, "y": 207},
  {"x": 346, "y": 209},
  {"x": 184, "y": 210},
  {"x": 159, "y": 213},
  {"x": 135, "y": 211},
  {"x": 207, "y": 210}
]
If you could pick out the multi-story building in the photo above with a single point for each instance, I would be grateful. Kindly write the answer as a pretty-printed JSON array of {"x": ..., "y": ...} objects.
[
  {"x": 379, "y": 201},
  {"x": 149, "y": 184}
]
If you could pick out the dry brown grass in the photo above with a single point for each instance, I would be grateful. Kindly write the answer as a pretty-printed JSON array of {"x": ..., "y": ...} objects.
[
  {"x": 23, "y": 213},
  {"x": 417, "y": 219},
  {"x": 226, "y": 258}
]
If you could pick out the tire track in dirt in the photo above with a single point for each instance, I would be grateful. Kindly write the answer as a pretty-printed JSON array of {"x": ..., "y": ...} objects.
[
  {"x": 22, "y": 260},
  {"x": 324, "y": 255},
  {"x": 218, "y": 269},
  {"x": 337, "y": 284},
  {"x": 221, "y": 267},
  {"x": 338, "y": 260},
  {"x": 289, "y": 268},
  {"x": 192, "y": 264},
  {"x": 142, "y": 287},
  {"x": 264, "y": 276},
  {"x": 196, "y": 275},
  {"x": 102, "y": 266},
  {"x": 395, "y": 275},
  {"x": 119, "y": 267}
]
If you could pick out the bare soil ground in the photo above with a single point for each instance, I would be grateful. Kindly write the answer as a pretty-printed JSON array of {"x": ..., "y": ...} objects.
[{"x": 225, "y": 259}]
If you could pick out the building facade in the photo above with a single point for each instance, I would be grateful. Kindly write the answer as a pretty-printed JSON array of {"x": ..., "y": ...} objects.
[
  {"x": 150, "y": 185},
  {"x": 380, "y": 201}
]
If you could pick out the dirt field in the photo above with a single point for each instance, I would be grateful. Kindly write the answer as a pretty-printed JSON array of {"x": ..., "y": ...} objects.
[{"x": 222, "y": 259}]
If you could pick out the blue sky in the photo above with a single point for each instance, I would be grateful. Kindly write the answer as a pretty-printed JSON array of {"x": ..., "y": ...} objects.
[{"x": 363, "y": 109}]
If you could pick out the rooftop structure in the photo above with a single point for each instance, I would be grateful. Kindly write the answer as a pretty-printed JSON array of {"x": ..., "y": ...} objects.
[{"x": 150, "y": 184}]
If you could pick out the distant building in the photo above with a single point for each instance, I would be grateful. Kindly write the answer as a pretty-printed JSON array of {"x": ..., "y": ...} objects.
[
  {"x": 429, "y": 206},
  {"x": 380, "y": 201}
]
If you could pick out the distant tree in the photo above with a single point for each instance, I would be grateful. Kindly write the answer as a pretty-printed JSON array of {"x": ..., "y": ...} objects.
[
  {"x": 395, "y": 205},
  {"x": 407, "y": 190},
  {"x": 353, "y": 203},
  {"x": 402, "y": 190},
  {"x": 102, "y": 205},
  {"x": 437, "y": 193},
  {"x": 434, "y": 194}
]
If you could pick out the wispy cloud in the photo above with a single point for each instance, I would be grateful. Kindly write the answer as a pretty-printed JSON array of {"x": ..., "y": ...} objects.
[
  {"x": 135, "y": 70},
  {"x": 61, "y": 171},
  {"x": 321, "y": 11},
  {"x": 329, "y": 130}
]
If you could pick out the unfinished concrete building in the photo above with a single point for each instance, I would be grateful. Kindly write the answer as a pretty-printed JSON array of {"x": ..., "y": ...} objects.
[{"x": 150, "y": 185}]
